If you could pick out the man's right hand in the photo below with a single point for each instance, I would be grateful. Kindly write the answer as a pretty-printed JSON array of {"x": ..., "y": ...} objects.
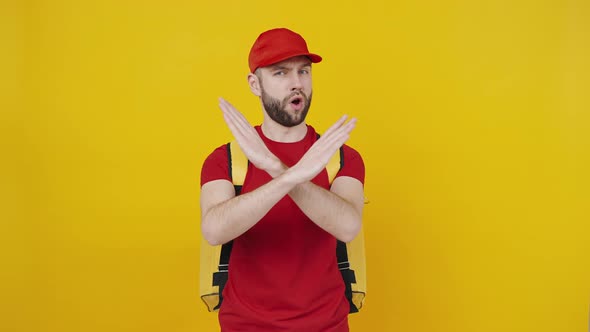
[{"x": 249, "y": 140}]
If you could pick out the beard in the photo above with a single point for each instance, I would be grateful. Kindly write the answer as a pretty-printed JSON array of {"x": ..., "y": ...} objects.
[{"x": 277, "y": 109}]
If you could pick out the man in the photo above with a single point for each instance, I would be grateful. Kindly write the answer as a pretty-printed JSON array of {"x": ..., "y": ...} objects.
[{"x": 285, "y": 223}]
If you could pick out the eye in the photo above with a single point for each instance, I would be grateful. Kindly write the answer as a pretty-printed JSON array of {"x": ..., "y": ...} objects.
[
  {"x": 304, "y": 71},
  {"x": 279, "y": 73}
]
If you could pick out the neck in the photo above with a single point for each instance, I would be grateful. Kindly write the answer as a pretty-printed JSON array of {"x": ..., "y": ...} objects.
[{"x": 279, "y": 133}]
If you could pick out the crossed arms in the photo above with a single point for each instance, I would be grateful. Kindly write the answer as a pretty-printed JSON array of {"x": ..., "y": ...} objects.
[{"x": 338, "y": 211}]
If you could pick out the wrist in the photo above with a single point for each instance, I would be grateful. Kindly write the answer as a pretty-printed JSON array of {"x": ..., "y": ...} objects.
[
  {"x": 276, "y": 168},
  {"x": 290, "y": 177}
]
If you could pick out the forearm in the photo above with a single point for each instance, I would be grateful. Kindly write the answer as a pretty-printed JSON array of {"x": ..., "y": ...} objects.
[
  {"x": 329, "y": 211},
  {"x": 231, "y": 218}
]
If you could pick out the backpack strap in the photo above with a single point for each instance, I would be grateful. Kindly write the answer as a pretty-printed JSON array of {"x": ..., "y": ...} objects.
[
  {"x": 335, "y": 164},
  {"x": 220, "y": 277},
  {"x": 238, "y": 166},
  {"x": 347, "y": 273}
]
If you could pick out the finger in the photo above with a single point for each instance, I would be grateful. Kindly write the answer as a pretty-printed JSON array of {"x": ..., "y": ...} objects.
[
  {"x": 234, "y": 126},
  {"x": 345, "y": 129},
  {"x": 226, "y": 107},
  {"x": 335, "y": 126},
  {"x": 236, "y": 132},
  {"x": 244, "y": 133},
  {"x": 232, "y": 115},
  {"x": 229, "y": 108},
  {"x": 226, "y": 111},
  {"x": 332, "y": 143},
  {"x": 239, "y": 120}
]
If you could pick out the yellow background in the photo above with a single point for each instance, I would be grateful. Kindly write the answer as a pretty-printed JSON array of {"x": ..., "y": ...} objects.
[{"x": 473, "y": 122}]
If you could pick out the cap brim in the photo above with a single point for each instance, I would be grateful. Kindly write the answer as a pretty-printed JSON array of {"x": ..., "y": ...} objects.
[{"x": 313, "y": 57}]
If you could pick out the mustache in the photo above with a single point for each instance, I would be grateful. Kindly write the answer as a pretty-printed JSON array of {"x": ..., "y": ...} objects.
[{"x": 296, "y": 93}]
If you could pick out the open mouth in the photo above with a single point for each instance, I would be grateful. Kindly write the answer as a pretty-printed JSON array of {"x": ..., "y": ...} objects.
[{"x": 296, "y": 101}]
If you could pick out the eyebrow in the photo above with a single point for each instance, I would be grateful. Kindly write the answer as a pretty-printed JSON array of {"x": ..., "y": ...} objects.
[{"x": 277, "y": 67}]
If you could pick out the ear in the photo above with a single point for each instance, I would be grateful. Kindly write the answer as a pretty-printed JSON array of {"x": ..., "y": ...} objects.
[{"x": 254, "y": 83}]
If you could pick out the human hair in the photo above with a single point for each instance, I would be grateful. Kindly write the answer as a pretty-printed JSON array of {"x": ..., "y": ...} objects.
[{"x": 258, "y": 73}]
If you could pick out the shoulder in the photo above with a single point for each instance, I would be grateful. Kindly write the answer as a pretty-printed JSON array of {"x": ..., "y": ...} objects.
[
  {"x": 216, "y": 165},
  {"x": 350, "y": 153},
  {"x": 352, "y": 164},
  {"x": 219, "y": 154}
]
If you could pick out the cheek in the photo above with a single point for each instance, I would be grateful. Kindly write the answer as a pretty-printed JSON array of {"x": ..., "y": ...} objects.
[
  {"x": 307, "y": 83},
  {"x": 275, "y": 91}
]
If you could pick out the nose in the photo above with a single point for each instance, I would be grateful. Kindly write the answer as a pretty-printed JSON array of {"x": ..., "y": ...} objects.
[{"x": 296, "y": 83}]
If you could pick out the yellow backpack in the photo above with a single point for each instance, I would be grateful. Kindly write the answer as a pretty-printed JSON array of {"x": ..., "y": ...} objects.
[{"x": 215, "y": 259}]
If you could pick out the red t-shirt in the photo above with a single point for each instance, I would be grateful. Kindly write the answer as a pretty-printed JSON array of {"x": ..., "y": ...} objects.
[{"x": 283, "y": 274}]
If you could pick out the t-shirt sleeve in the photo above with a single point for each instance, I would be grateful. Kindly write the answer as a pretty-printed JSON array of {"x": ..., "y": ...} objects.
[
  {"x": 216, "y": 167},
  {"x": 353, "y": 165}
]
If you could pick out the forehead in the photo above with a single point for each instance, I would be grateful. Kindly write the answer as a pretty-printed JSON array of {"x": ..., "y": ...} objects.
[{"x": 297, "y": 61}]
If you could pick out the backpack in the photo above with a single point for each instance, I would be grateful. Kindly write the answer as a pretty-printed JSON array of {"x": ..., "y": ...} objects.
[{"x": 215, "y": 259}]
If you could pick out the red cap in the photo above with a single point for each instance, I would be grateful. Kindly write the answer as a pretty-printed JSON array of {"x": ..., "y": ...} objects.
[{"x": 276, "y": 45}]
